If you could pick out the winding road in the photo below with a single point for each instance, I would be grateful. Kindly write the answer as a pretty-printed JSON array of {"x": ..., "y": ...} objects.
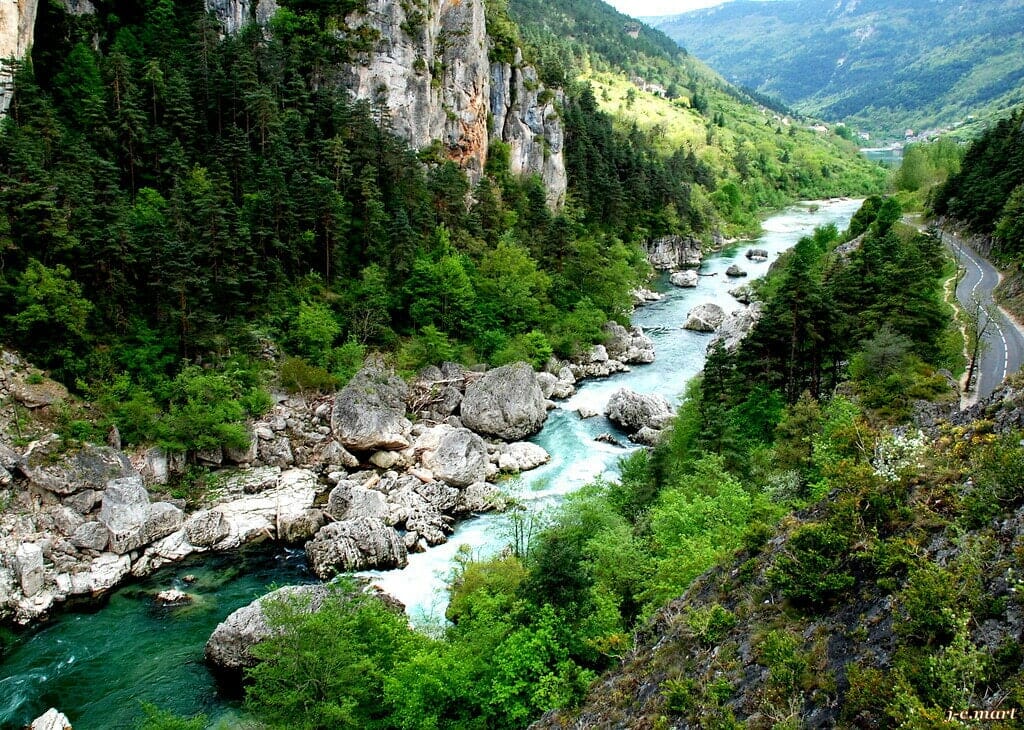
[{"x": 1003, "y": 353}]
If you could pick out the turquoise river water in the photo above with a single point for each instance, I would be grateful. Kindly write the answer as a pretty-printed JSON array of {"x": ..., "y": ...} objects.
[{"x": 98, "y": 666}]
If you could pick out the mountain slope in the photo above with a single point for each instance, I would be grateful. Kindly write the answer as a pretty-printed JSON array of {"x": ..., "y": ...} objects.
[
  {"x": 882, "y": 66},
  {"x": 757, "y": 154}
]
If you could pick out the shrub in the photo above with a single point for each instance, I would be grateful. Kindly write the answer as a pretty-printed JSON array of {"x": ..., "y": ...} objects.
[
  {"x": 811, "y": 573},
  {"x": 299, "y": 376}
]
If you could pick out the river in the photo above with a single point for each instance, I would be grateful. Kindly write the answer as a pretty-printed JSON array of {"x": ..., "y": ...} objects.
[{"x": 99, "y": 666}]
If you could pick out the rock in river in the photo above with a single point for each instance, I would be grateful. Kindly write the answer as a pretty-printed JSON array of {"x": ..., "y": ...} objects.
[
  {"x": 355, "y": 545},
  {"x": 705, "y": 317},
  {"x": 633, "y": 411}
]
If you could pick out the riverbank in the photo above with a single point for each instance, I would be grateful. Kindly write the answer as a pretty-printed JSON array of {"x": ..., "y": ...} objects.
[{"x": 96, "y": 652}]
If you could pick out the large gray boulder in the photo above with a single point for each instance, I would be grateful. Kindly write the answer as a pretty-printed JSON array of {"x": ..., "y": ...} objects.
[
  {"x": 229, "y": 644},
  {"x": 460, "y": 458},
  {"x": 48, "y": 467},
  {"x": 131, "y": 520},
  {"x": 705, "y": 317},
  {"x": 686, "y": 279},
  {"x": 633, "y": 411},
  {"x": 206, "y": 528},
  {"x": 355, "y": 545},
  {"x": 521, "y": 456},
  {"x": 369, "y": 412},
  {"x": 736, "y": 326},
  {"x": 506, "y": 402},
  {"x": 349, "y": 500}
]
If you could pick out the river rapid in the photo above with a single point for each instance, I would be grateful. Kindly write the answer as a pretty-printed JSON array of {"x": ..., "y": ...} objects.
[{"x": 98, "y": 666}]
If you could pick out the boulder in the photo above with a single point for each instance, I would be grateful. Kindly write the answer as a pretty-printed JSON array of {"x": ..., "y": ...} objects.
[
  {"x": 131, "y": 520},
  {"x": 355, "y": 545},
  {"x": 28, "y": 567},
  {"x": 647, "y": 436},
  {"x": 388, "y": 460},
  {"x": 736, "y": 326},
  {"x": 506, "y": 402},
  {"x": 644, "y": 296},
  {"x": 685, "y": 279},
  {"x": 295, "y": 528},
  {"x": 52, "y": 719},
  {"x": 735, "y": 271},
  {"x": 607, "y": 438},
  {"x": 460, "y": 458},
  {"x": 705, "y": 317},
  {"x": 743, "y": 293},
  {"x": 335, "y": 453},
  {"x": 521, "y": 456},
  {"x": 349, "y": 500},
  {"x": 105, "y": 572},
  {"x": 480, "y": 497},
  {"x": 172, "y": 597},
  {"x": 548, "y": 383},
  {"x": 369, "y": 413},
  {"x": 245, "y": 455},
  {"x": 256, "y": 517},
  {"x": 598, "y": 353},
  {"x": 90, "y": 536},
  {"x": 155, "y": 468},
  {"x": 276, "y": 451},
  {"x": 90, "y": 466},
  {"x": 229, "y": 644},
  {"x": 632, "y": 411},
  {"x": 253, "y": 480},
  {"x": 757, "y": 254},
  {"x": 83, "y": 502},
  {"x": 206, "y": 528}
]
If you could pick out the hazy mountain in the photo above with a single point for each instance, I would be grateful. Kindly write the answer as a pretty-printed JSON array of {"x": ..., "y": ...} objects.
[{"x": 883, "y": 65}]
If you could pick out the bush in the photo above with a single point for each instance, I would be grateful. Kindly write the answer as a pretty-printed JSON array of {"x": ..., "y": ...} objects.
[
  {"x": 430, "y": 347},
  {"x": 811, "y": 573},
  {"x": 298, "y": 376}
]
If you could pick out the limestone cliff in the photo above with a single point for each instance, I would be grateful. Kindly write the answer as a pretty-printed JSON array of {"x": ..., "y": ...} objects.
[
  {"x": 17, "y": 23},
  {"x": 431, "y": 68},
  {"x": 233, "y": 14}
]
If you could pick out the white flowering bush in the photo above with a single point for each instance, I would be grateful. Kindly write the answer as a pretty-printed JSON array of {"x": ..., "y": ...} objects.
[{"x": 898, "y": 453}]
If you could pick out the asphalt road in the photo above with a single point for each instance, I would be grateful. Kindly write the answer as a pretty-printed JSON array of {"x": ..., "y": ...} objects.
[{"x": 1003, "y": 353}]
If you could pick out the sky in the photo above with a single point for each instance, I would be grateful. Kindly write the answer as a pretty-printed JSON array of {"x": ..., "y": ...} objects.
[{"x": 638, "y": 8}]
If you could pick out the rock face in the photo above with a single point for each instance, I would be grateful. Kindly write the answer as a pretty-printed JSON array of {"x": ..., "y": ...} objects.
[
  {"x": 432, "y": 69},
  {"x": 686, "y": 279},
  {"x": 628, "y": 346},
  {"x": 632, "y": 411},
  {"x": 17, "y": 27},
  {"x": 233, "y": 14},
  {"x": 229, "y": 644},
  {"x": 704, "y": 318},
  {"x": 130, "y": 518},
  {"x": 369, "y": 413},
  {"x": 523, "y": 115},
  {"x": 88, "y": 467},
  {"x": 506, "y": 402},
  {"x": 669, "y": 253},
  {"x": 355, "y": 545}
]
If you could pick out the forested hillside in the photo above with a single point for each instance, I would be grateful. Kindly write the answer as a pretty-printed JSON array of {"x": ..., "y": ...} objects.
[
  {"x": 757, "y": 155},
  {"x": 174, "y": 194},
  {"x": 881, "y": 66}
]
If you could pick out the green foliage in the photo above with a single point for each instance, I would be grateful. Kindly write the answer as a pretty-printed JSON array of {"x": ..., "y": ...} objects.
[
  {"x": 813, "y": 571},
  {"x": 946, "y": 72},
  {"x": 157, "y": 719},
  {"x": 343, "y": 653},
  {"x": 299, "y": 376},
  {"x": 429, "y": 347},
  {"x": 998, "y": 482}
]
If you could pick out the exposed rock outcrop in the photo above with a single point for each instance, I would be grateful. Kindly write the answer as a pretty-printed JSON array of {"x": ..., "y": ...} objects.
[
  {"x": 233, "y": 14},
  {"x": 52, "y": 719},
  {"x": 706, "y": 317},
  {"x": 669, "y": 253},
  {"x": 736, "y": 326},
  {"x": 506, "y": 402},
  {"x": 229, "y": 644}
]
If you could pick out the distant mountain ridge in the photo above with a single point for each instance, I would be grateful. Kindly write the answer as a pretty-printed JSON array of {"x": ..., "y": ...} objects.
[{"x": 881, "y": 65}]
